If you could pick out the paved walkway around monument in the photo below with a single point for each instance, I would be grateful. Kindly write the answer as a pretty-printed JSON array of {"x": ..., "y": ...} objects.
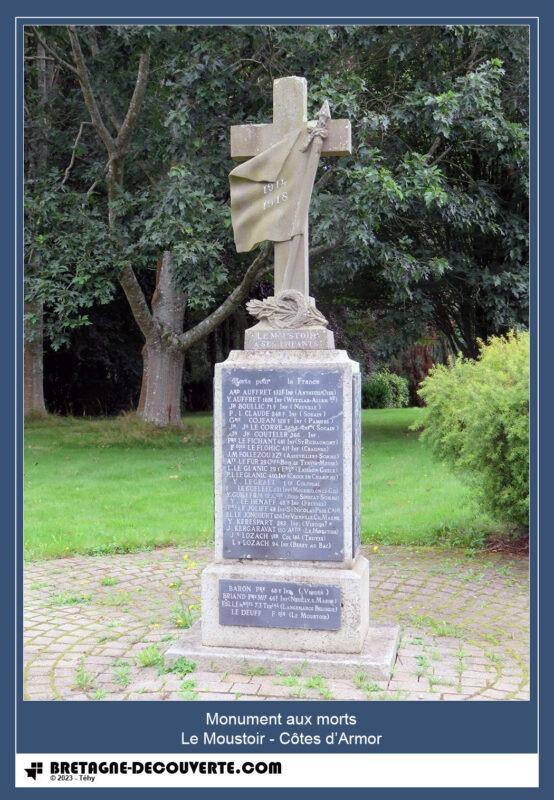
[{"x": 95, "y": 628}]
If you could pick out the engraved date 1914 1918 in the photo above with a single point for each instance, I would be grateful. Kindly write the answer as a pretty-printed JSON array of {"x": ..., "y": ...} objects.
[{"x": 273, "y": 196}]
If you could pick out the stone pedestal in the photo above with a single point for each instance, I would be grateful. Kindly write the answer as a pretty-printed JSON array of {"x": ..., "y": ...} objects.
[
  {"x": 281, "y": 607},
  {"x": 288, "y": 576}
]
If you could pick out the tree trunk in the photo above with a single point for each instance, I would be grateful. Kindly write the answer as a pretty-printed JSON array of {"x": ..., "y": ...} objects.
[
  {"x": 162, "y": 385},
  {"x": 33, "y": 391},
  {"x": 142, "y": 397},
  {"x": 33, "y": 332},
  {"x": 162, "y": 377}
]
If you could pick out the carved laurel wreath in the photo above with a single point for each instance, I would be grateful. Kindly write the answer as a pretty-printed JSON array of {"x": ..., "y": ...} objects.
[{"x": 288, "y": 309}]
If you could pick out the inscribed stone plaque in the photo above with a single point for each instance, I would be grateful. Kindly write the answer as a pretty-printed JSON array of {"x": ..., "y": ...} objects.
[
  {"x": 356, "y": 460},
  {"x": 282, "y": 464},
  {"x": 276, "y": 604},
  {"x": 311, "y": 338}
]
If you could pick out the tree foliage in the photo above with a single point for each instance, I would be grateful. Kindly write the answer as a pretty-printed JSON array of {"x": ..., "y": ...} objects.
[
  {"x": 425, "y": 225},
  {"x": 75, "y": 271},
  {"x": 433, "y": 208}
]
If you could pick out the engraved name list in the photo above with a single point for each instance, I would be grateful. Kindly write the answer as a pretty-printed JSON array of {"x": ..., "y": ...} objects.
[{"x": 282, "y": 477}]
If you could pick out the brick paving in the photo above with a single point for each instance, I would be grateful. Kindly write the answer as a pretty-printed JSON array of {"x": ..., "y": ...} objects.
[{"x": 95, "y": 628}]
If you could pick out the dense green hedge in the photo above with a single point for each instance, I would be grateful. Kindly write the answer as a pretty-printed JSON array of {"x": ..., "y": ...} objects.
[
  {"x": 384, "y": 389},
  {"x": 477, "y": 421}
]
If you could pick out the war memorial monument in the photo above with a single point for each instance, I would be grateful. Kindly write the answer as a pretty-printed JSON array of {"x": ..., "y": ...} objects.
[{"x": 288, "y": 587}]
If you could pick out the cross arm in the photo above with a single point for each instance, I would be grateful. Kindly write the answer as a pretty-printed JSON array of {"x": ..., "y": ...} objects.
[{"x": 249, "y": 140}]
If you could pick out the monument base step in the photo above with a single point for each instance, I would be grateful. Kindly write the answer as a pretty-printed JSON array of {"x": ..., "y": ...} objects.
[{"x": 375, "y": 661}]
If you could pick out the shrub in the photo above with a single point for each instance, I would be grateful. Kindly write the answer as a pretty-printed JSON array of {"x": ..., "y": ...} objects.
[
  {"x": 376, "y": 392},
  {"x": 384, "y": 389},
  {"x": 477, "y": 421},
  {"x": 400, "y": 391}
]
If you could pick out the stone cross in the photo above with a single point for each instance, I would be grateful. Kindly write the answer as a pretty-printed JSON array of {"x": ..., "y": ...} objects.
[{"x": 290, "y": 109}]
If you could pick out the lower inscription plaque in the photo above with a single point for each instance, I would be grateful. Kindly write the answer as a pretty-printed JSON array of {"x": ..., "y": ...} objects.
[{"x": 277, "y": 604}]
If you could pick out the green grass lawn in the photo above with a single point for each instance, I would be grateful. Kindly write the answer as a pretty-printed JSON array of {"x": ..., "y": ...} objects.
[{"x": 112, "y": 485}]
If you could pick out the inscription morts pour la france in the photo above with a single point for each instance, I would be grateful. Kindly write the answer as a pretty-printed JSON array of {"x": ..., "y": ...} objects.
[{"x": 282, "y": 477}]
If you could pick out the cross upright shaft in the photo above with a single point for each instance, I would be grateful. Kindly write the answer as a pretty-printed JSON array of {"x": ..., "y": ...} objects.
[{"x": 290, "y": 110}]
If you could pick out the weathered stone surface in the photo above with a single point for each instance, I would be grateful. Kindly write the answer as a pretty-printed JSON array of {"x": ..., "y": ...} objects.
[
  {"x": 356, "y": 460},
  {"x": 263, "y": 337},
  {"x": 283, "y": 456},
  {"x": 290, "y": 109},
  {"x": 374, "y": 662},
  {"x": 274, "y": 604},
  {"x": 352, "y": 585},
  {"x": 286, "y": 310},
  {"x": 249, "y": 140}
]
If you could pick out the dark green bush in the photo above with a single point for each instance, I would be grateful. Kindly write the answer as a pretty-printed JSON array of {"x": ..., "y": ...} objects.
[
  {"x": 384, "y": 389},
  {"x": 400, "y": 391},
  {"x": 376, "y": 392},
  {"x": 477, "y": 421}
]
